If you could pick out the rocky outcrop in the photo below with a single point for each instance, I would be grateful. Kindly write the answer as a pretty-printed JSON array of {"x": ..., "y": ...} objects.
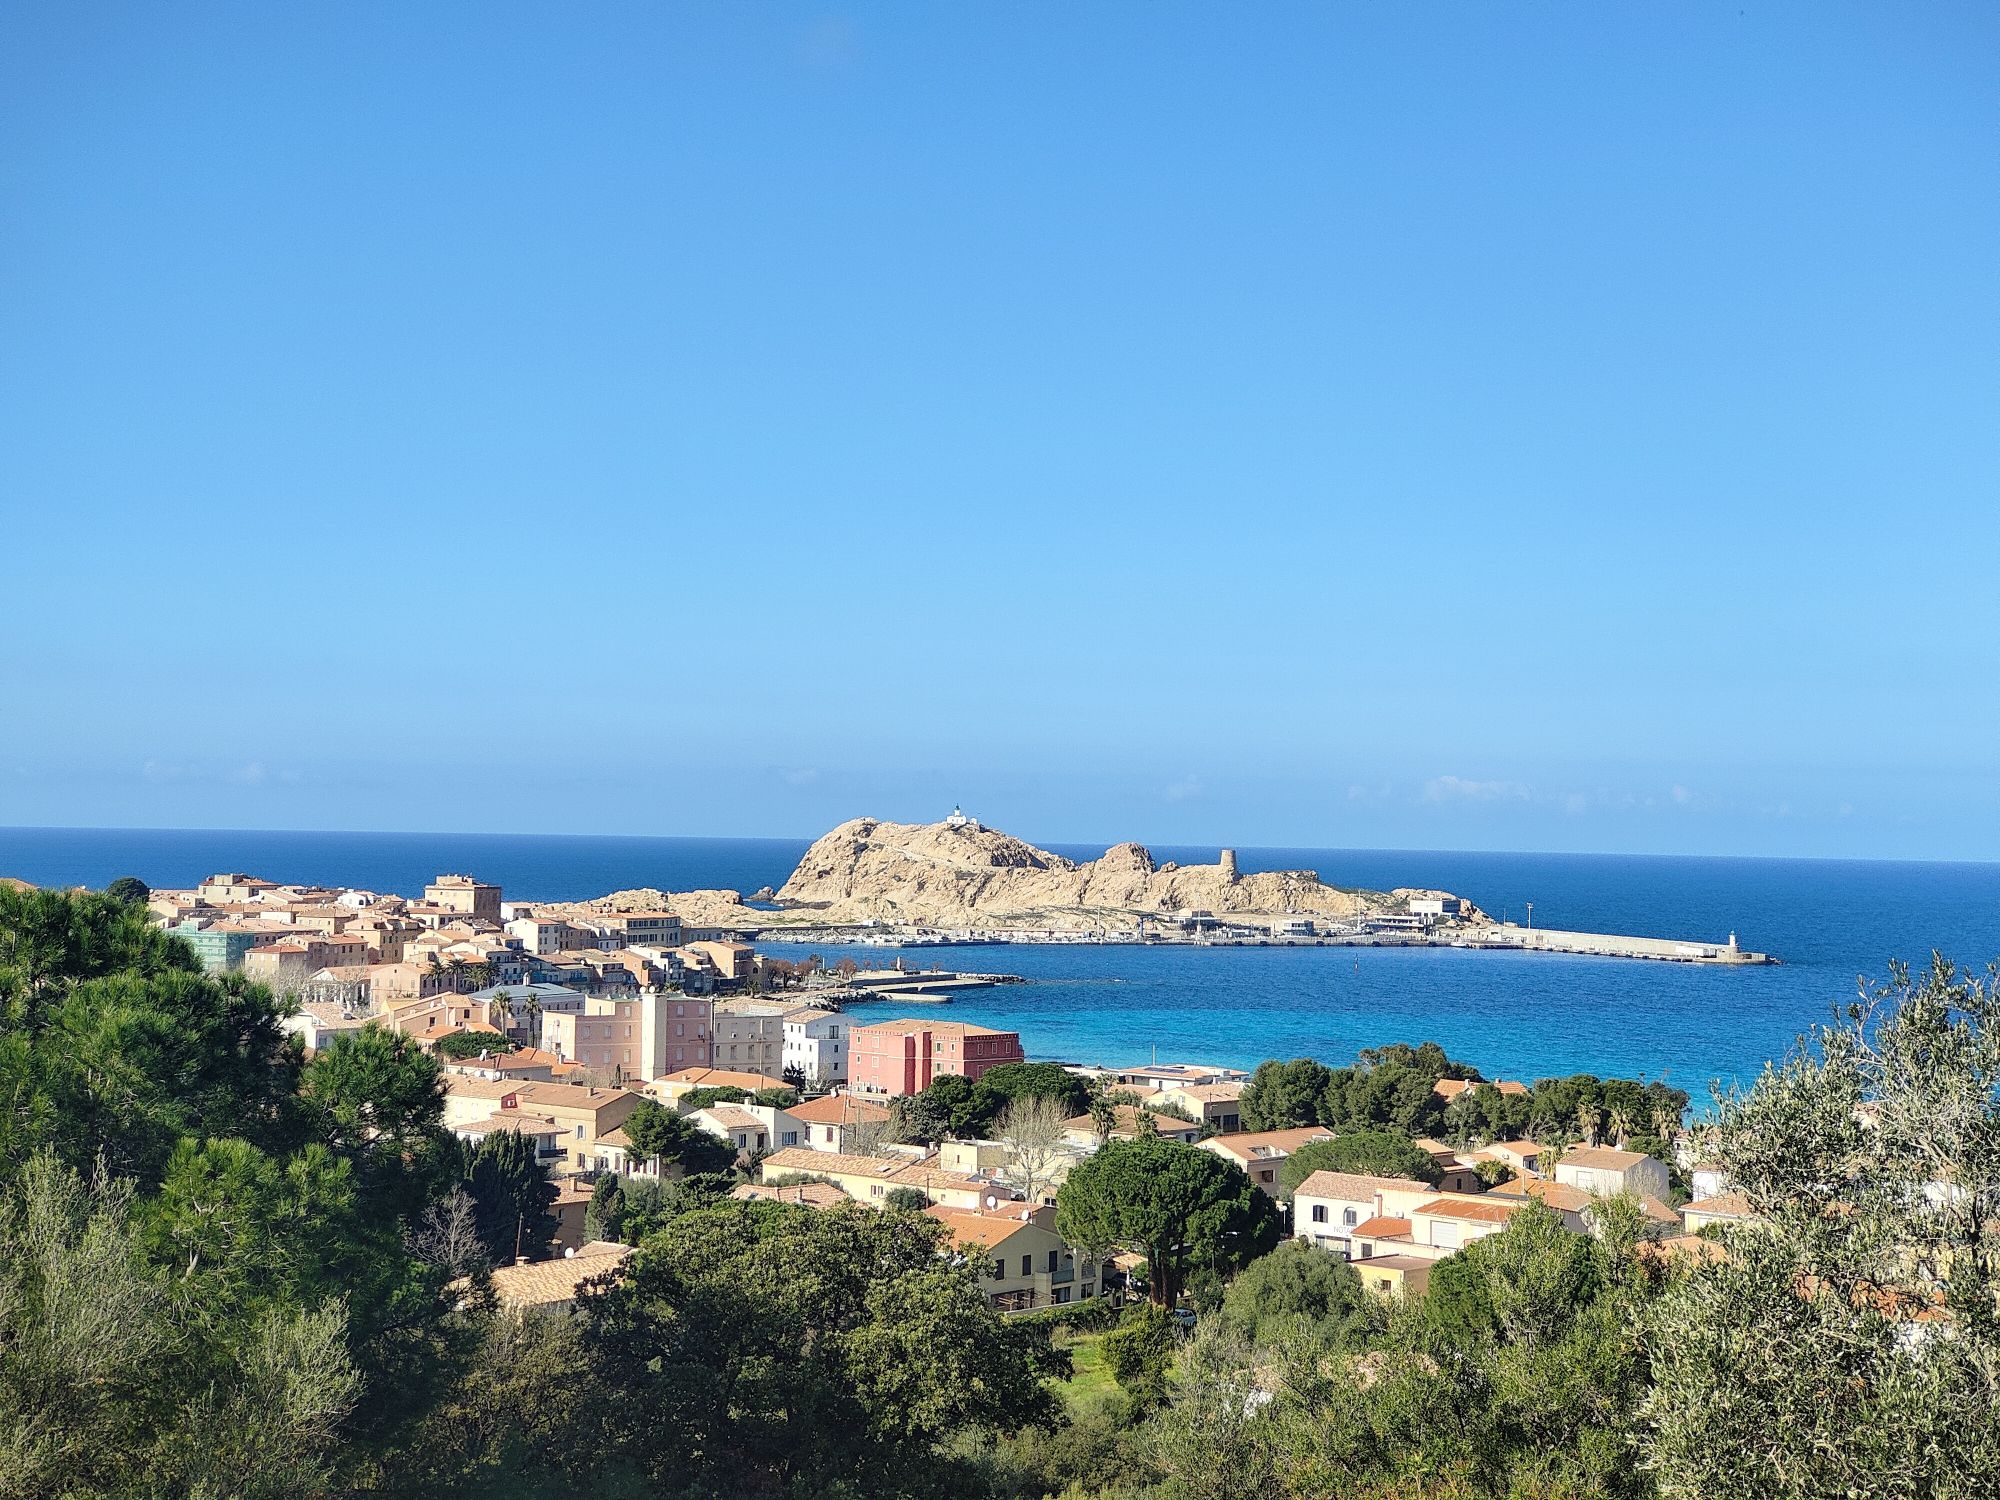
[{"x": 959, "y": 875}]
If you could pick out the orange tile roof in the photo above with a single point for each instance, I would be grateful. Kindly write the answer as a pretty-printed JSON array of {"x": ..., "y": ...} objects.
[
  {"x": 988, "y": 1231},
  {"x": 839, "y": 1109},
  {"x": 1383, "y": 1227},
  {"x": 1559, "y": 1196},
  {"x": 807, "y": 1194},
  {"x": 1263, "y": 1145},
  {"x": 1473, "y": 1210},
  {"x": 718, "y": 1078},
  {"x": 546, "y": 1282}
]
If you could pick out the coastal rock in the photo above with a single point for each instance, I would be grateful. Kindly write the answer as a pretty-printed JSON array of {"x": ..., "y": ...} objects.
[{"x": 958, "y": 875}]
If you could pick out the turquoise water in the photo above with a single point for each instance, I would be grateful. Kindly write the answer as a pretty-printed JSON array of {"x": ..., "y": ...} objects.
[{"x": 1512, "y": 1014}]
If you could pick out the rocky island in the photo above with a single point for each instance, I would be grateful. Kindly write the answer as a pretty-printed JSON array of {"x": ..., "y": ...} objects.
[
  {"x": 957, "y": 881},
  {"x": 957, "y": 874}
]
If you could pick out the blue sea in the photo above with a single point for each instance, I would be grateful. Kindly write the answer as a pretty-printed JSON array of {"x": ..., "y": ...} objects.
[{"x": 1832, "y": 923}]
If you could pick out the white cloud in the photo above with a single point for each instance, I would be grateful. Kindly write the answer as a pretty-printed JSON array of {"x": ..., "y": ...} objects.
[
  {"x": 800, "y": 776},
  {"x": 1180, "y": 791},
  {"x": 1460, "y": 789}
]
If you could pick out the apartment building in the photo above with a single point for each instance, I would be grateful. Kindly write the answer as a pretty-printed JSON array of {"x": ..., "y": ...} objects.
[
  {"x": 463, "y": 895},
  {"x": 637, "y": 1037},
  {"x": 1028, "y": 1264},
  {"x": 815, "y": 1042},
  {"x": 1262, "y": 1152},
  {"x": 749, "y": 1036},
  {"x": 894, "y": 1058}
]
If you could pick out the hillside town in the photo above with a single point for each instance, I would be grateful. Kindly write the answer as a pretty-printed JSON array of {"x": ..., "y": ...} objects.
[{"x": 557, "y": 1023}]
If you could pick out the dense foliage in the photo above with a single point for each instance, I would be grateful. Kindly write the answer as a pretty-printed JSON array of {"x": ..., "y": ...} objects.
[
  {"x": 1181, "y": 1207},
  {"x": 230, "y": 1270},
  {"x": 953, "y": 1106},
  {"x": 787, "y": 1350},
  {"x": 1393, "y": 1089},
  {"x": 1368, "y": 1153}
]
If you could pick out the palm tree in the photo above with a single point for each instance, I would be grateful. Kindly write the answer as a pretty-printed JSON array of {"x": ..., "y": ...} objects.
[
  {"x": 503, "y": 1009},
  {"x": 1667, "y": 1124},
  {"x": 531, "y": 1008},
  {"x": 1620, "y": 1125},
  {"x": 1587, "y": 1116}
]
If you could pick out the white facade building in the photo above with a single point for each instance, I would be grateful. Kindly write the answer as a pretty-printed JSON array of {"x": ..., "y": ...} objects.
[{"x": 815, "y": 1042}]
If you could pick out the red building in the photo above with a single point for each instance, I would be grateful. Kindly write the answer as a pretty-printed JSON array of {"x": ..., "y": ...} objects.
[{"x": 902, "y": 1057}]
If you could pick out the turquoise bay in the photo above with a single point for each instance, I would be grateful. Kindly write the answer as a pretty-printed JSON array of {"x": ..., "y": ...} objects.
[{"x": 1512, "y": 1014}]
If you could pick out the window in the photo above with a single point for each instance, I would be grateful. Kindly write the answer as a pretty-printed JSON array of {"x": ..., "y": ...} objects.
[
  {"x": 1319, "y": 1214},
  {"x": 1347, "y": 1217},
  {"x": 1055, "y": 1261},
  {"x": 1062, "y": 1294},
  {"x": 791, "y": 1137},
  {"x": 1027, "y": 1265}
]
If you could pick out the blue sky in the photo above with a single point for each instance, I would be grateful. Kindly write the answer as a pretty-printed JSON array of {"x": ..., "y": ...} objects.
[{"x": 1483, "y": 426}]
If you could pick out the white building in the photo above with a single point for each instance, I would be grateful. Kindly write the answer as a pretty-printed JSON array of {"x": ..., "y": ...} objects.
[
  {"x": 1334, "y": 1209},
  {"x": 815, "y": 1042},
  {"x": 1606, "y": 1172}
]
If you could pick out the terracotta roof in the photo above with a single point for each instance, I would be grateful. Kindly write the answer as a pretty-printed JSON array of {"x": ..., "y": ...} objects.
[
  {"x": 1658, "y": 1212},
  {"x": 733, "y": 1117},
  {"x": 1265, "y": 1145},
  {"x": 1393, "y": 1262},
  {"x": 839, "y": 1109},
  {"x": 1354, "y": 1187},
  {"x": 988, "y": 1231},
  {"x": 831, "y": 1163},
  {"x": 807, "y": 1194},
  {"x": 543, "y": 1283},
  {"x": 1383, "y": 1227},
  {"x": 467, "y": 1087},
  {"x": 927, "y": 1175},
  {"x": 571, "y": 1095},
  {"x": 1207, "y": 1093},
  {"x": 1474, "y": 1210},
  {"x": 512, "y": 1119},
  {"x": 1126, "y": 1122},
  {"x": 1558, "y": 1195},
  {"x": 1603, "y": 1157},
  {"x": 936, "y": 1028},
  {"x": 719, "y": 1078},
  {"x": 1680, "y": 1247}
]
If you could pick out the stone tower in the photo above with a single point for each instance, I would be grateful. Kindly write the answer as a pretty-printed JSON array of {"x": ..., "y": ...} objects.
[{"x": 1228, "y": 862}]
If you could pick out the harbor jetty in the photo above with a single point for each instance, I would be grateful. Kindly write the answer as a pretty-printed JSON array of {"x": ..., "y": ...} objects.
[{"x": 1607, "y": 945}]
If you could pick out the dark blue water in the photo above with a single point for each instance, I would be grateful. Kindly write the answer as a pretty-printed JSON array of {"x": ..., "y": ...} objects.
[{"x": 1525, "y": 1015}]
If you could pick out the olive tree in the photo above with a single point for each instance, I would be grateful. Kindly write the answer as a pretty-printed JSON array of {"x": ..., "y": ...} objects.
[{"x": 1846, "y": 1340}]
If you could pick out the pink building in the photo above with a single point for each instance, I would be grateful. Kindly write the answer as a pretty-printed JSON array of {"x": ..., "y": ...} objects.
[{"x": 903, "y": 1057}]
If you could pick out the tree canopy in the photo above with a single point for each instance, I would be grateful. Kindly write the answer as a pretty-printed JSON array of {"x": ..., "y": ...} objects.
[
  {"x": 780, "y": 1349},
  {"x": 1369, "y": 1153},
  {"x": 675, "y": 1141},
  {"x": 1178, "y": 1205}
]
